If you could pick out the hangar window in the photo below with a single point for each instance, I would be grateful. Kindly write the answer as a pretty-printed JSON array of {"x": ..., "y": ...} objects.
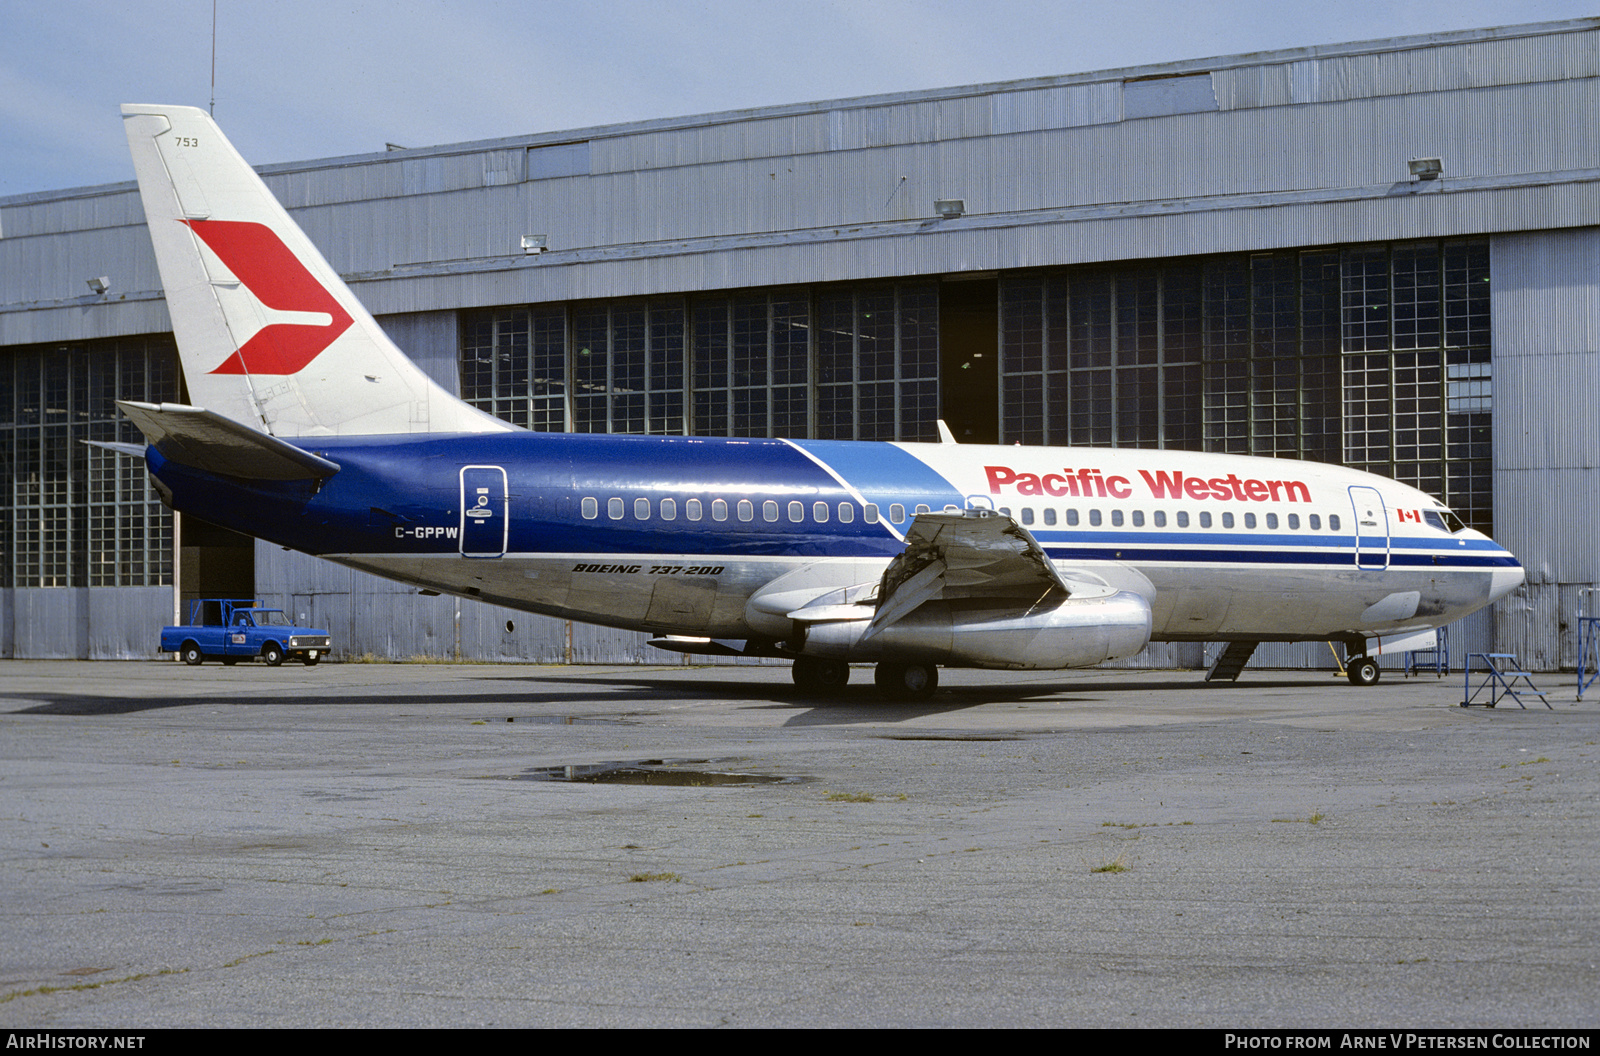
[
  {"x": 1372, "y": 356},
  {"x": 75, "y": 515}
]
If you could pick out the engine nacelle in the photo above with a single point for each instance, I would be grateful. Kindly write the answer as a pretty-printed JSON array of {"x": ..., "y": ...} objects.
[{"x": 1084, "y": 630}]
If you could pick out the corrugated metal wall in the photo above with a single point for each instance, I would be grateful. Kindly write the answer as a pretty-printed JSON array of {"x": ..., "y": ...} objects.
[{"x": 1546, "y": 317}]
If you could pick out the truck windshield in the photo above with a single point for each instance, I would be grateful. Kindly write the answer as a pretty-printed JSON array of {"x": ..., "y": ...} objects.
[{"x": 270, "y": 618}]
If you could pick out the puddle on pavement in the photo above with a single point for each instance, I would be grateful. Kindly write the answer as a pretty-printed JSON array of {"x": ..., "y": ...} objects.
[{"x": 677, "y": 772}]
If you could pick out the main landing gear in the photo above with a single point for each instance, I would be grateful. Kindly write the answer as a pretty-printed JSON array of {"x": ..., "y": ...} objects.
[
  {"x": 897, "y": 681},
  {"x": 1362, "y": 671}
]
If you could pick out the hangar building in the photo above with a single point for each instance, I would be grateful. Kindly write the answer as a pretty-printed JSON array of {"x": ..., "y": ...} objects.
[{"x": 1383, "y": 254}]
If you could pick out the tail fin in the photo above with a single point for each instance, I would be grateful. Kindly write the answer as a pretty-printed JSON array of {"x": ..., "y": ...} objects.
[{"x": 269, "y": 334}]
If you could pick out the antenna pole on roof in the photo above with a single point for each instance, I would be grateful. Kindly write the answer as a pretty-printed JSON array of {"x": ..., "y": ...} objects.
[{"x": 213, "y": 58}]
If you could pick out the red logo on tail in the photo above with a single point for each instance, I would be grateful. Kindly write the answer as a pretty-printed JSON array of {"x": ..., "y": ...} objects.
[{"x": 264, "y": 264}]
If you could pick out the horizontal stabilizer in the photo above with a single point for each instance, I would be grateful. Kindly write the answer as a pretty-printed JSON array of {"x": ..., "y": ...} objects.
[
  {"x": 204, "y": 440},
  {"x": 131, "y": 450}
]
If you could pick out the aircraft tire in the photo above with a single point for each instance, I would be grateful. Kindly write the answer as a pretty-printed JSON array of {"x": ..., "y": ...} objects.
[
  {"x": 818, "y": 675},
  {"x": 1363, "y": 671},
  {"x": 311, "y": 661},
  {"x": 907, "y": 681},
  {"x": 272, "y": 653},
  {"x": 192, "y": 655}
]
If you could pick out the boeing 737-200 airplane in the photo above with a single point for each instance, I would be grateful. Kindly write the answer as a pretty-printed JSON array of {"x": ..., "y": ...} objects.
[{"x": 311, "y": 430}]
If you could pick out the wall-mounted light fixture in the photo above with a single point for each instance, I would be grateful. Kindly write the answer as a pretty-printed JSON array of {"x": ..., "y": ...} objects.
[
  {"x": 535, "y": 243},
  {"x": 100, "y": 284},
  {"x": 1426, "y": 168},
  {"x": 950, "y": 208}
]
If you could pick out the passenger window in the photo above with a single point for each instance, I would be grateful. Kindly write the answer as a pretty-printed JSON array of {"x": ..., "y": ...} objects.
[
  {"x": 614, "y": 509},
  {"x": 1116, "y": 518},
  {"x": 591, "y": 508},
  {"x": 922, "y": 508},
  {"x": 1272, "y": 520},
  {"x": 869, "y": 513},
  {"x": 897, "y": 513},
  {"x": 1333, "y": 522},
  {"x": 1205, "y": 520},
  {"x": 1049, "y": 516},
  {"x": 1227, "y": 520},
  {"x": 819, "y": 512},
  {"x": 641, "y": 509},
  {"x": 769, "y": 510},
  {"x": 847, "y": 512},
  {"x": 1072, "y": 518},
  {"x": 1314, "y": 521},
  {"x": 669, "y": 509},
  {"x": 693, "y": 509},
  {"x": 1183, "y": 518},
  {"x": 1027, "y": 515},
  {"x": 1094, "y": 518},
  {"x": 951, "y": 508},
  {"x": 1138, "y": 518},
  {"x": 1249, "y": 520},
  {"x": 1160, "y": 518},
  {"x": 1294, "y": 521}
]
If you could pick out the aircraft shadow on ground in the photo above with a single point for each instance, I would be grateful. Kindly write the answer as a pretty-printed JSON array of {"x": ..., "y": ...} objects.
[{"x": 851, "y": 704}]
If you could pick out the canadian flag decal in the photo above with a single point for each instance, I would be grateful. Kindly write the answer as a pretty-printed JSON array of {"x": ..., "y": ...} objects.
[{"x": 260, "y": 260}]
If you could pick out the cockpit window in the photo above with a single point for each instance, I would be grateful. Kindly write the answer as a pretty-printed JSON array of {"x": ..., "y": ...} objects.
[{"x": 1444, "y": 520}]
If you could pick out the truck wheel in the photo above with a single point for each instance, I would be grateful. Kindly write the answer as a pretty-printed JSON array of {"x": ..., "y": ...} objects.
[
  {"x": 191, "y": 654},
  {"x": 272, "y": 653}
]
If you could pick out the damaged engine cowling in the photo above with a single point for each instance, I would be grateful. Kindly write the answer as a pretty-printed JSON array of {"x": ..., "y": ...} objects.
[{"x": 1093, "y": 625}]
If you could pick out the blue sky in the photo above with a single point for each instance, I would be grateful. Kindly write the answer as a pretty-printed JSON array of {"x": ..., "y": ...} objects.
[{"x": 299, "y": 79}]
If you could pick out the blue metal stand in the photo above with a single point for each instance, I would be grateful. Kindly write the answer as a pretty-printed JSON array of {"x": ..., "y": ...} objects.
[
  {"x": 1437, "y": 658},
  {"x": 1588, "y": 641},
  {"x": 1504, "y": 678}
]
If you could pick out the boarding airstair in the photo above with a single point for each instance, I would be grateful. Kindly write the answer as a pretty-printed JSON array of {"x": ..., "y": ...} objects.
[
  {"x": 1436, "y": 659},
  {"x": 1231, "y": 661}
]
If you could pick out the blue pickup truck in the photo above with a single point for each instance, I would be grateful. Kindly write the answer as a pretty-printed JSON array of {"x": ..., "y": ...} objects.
[{"x": 230, "y": 630}]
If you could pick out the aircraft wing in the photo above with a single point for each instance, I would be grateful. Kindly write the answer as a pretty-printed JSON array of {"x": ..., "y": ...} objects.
[
  {"x": 206, "y": 440},
  {"x": 968, "y": 555}
]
